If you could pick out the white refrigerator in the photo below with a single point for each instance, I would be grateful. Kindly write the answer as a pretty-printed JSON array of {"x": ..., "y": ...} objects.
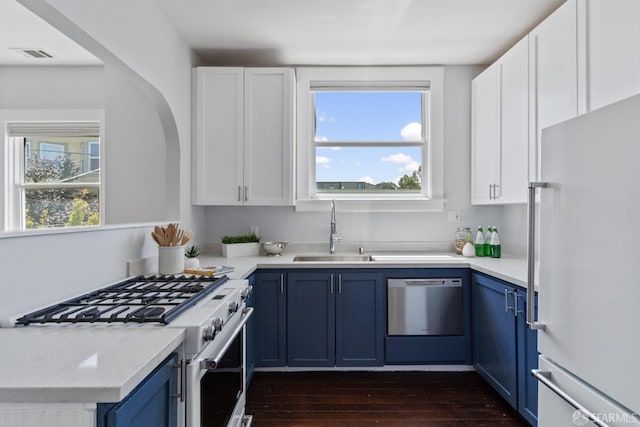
[{"x": 588, "y": 224}]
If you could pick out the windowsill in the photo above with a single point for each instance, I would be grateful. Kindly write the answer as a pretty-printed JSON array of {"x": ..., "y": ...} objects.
[
  {"x": 38, "y": 232},
  {"x": 371, "y": 205}
]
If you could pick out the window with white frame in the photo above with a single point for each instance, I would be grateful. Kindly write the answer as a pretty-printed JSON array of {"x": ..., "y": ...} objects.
[
  {"x": 370, "y": 133},
  {"x": 48, "y": 186}
]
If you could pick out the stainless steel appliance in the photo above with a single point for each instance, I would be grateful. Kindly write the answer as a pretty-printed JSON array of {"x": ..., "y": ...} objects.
[
  {"x": 589, "y": 206},
  {"x": 424, "y": 306},
  {"x": 215, "y": 347},
  {"x": 213, "y": 313}
]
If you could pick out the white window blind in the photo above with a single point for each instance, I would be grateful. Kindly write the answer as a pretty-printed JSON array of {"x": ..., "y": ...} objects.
[{"x": 79, "y": 129}]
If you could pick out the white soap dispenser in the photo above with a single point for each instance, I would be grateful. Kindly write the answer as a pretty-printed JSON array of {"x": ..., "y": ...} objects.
[{"x": 468, "y": 250}]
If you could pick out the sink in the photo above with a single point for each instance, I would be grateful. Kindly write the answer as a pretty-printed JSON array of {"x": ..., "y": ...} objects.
[
  {"x": 332, "y": 258},
  {"x": 411, "y": 257}
]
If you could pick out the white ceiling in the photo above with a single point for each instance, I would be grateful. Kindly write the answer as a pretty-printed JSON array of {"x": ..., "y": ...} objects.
[
  {"x": 305, "y": 32},
  {"x": 353, "y": 32},
  {"x": 20, "y": 28}
]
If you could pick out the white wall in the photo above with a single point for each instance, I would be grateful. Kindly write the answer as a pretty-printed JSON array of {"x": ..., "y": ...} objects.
[
  {"x": 135, "y": 155},
  {"x": 44, "y": 88},
  {"x": 283, "y": 223},
  {"x": 514, "y": 228}
]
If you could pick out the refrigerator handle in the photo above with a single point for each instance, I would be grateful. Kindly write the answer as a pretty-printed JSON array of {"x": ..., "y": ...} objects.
[
  {"x": 531, "y": 257},
  {"x": 544, "y": 378}
]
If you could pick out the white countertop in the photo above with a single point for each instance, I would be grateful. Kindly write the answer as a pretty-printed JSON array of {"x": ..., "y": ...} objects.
[
  {"x": 79, "y": 364},
  {"x": 509, "y": 268}
]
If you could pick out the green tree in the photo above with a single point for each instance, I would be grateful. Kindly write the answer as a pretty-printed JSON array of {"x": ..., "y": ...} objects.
[
  {"x": 387, "y": 186},
  {"x": 55, "y": 207},
  {"x": 411, "y": 182},
  {"x": 78, "y": 213}
]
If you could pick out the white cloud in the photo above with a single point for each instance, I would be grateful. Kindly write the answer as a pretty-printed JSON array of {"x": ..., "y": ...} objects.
[
  {"x": 321, "y": 139},
  {"x": 329, "y": 148},
  {"x": 412, "y": 132},
  {"x": 323, "y": 161},
  {"x": 367, "y": 179},
  {"x": 408, "y": 165},
  {"x": 323, "y": 116}
]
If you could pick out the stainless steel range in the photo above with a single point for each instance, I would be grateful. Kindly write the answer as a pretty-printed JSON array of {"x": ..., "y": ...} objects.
[{"x": 212, "y": 311}]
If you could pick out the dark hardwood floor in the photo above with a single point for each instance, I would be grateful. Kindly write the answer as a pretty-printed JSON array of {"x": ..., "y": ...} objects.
[{"x": 376, "y": 399}]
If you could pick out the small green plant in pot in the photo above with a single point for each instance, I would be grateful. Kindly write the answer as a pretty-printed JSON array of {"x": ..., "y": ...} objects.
[
  {"x": 241, "y": 245},
  {"x": 192, "y": 260}
]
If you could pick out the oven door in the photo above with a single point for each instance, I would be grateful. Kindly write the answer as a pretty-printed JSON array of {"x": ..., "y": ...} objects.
[{"x": 216, "y": 378}]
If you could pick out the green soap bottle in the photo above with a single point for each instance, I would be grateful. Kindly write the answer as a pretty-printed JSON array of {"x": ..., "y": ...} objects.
[
  {"x": 481, "y": 245},
  {"x": 495, "y": 249}
]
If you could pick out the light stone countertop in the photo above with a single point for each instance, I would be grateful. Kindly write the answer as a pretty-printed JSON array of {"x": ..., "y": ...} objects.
[
  {"x": 512, "y": 269},
  {"x": 76, "y": 364}
]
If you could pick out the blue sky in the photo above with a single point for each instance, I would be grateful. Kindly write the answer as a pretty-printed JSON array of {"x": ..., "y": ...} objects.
[{"x": 367, "y": 116}]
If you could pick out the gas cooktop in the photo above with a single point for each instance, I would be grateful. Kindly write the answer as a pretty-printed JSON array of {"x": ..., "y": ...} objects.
[{"x": 140, "y": 299}]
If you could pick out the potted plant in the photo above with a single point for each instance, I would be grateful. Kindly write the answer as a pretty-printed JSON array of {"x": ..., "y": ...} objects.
[
  {"x": 192, "y": 260},
  {"x": 241, "y": 245}
]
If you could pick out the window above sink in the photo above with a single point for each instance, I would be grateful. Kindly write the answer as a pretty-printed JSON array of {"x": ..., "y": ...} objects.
[{"x": 370, "y": 137}]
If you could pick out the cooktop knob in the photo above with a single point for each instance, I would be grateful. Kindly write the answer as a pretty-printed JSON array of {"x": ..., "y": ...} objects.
[
  {"x": 233, "y": 306},
  {"x": 217, "y": 324},
  {"x": 245, "y": 292},
  {"x": 208, "y": 334}
]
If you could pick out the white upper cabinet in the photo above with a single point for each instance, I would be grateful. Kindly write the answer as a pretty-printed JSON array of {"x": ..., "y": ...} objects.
[
  {"x": 243, "y": 136},
  {"x": 500, "y": 137},
  {"x": 609, "y": 50},
  {"x": 514, "y": 123},
  {"x": 485, "y": 135},
  {"x": 583, "y": 56},
  {"x": 553, "y": 74},
  {"x": 268, "y": 136}
]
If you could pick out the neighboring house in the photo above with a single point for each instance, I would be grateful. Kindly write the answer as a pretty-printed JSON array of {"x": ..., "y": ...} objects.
[
  {"x": 345, "y": 185},
  {"x": 85, "y": 152}
]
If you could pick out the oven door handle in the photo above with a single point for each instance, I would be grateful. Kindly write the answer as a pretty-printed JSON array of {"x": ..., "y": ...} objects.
[{"x": 212, "y": 362}]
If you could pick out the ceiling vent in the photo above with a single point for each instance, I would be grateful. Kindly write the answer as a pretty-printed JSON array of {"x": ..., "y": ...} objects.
[{"x": 32, "y": 53}]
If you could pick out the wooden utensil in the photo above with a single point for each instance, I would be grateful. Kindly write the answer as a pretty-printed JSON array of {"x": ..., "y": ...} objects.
[
  {"x": 171, "y": 230},
  {"x": 185, "y": 237},
  {"x": 171, "y": 235}
]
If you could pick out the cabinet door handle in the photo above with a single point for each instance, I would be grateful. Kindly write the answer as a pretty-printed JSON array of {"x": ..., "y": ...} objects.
[
  {"x": 282, "y": 283},
  {"x": 246, "y": 193},
  {"x": 331, "y": 283},
  {"x": 239, "y": 193},
  {"x": 182, "y": 365},
  {"x": 493, "y": 193},
  {"x": 516, "y": 310},
  {"x": 339, "y": 283},
  {"x": 507, "y": 308}
]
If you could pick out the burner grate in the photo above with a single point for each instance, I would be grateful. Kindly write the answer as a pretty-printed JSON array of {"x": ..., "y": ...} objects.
[{"x": 141, "y": 299}]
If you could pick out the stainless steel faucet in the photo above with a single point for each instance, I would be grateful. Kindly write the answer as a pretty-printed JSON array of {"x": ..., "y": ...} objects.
[{"x": 332, "y": 236}]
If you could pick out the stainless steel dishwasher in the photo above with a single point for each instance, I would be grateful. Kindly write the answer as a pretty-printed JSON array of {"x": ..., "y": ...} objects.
[{"x": 424, "y": 306}]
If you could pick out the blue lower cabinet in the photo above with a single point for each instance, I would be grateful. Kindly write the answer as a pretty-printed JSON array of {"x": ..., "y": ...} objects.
[
  {"x": 504, "y": 348},
  {"x": 360, "y": 319},
  {"x": 152, "y": 403},
  {"x": 251, "y": 335},
  {"x": 270, "y": 314},
  {"x": 494, "y": 335},
  {"x": 527, "y": 360},
  {"x": 311, "y": 319},
  {"x": 335, "y": 318}
]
